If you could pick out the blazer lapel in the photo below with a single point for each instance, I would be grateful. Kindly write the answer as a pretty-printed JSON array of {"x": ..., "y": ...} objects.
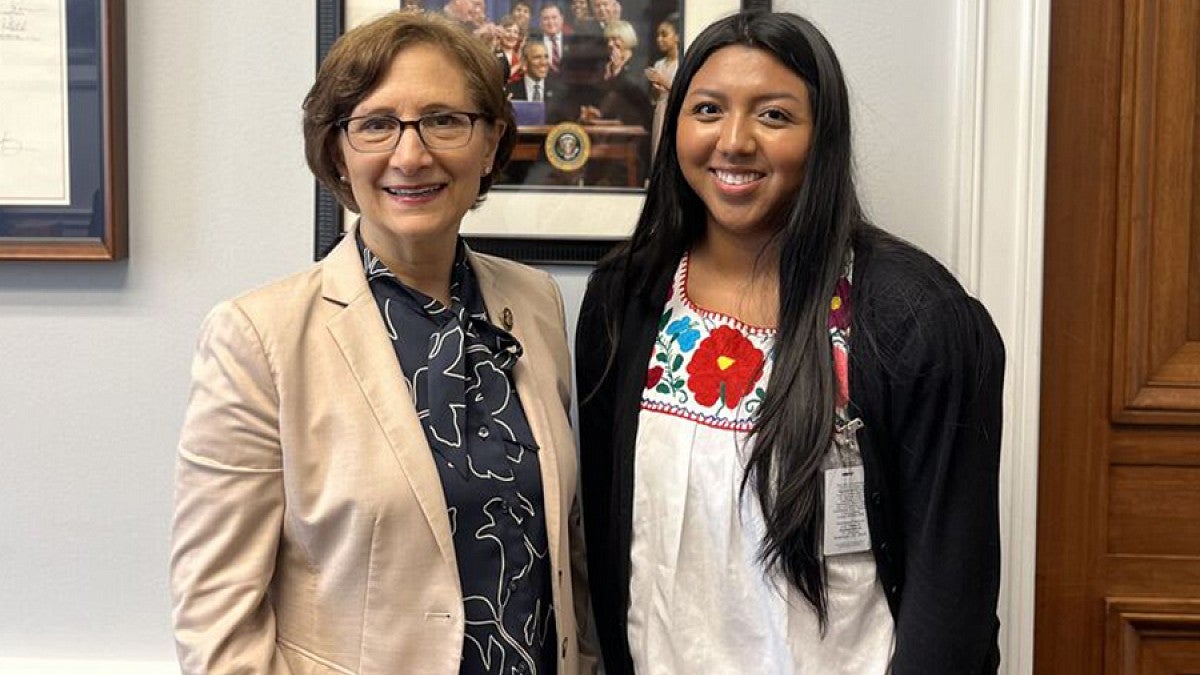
[
  {"x": 363, "y": 341},
  {"x": 533, "y": 385}
]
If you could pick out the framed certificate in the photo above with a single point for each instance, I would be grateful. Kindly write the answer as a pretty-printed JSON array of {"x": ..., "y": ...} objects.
[
  {"x": 62, "y": 130},
  {"x": 575, "y": 184}
]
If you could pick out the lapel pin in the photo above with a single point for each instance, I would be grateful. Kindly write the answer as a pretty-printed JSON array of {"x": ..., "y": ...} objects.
[{"x": 506, "y": 318}]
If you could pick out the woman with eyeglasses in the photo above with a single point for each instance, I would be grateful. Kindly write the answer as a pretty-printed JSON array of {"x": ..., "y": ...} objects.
[
  {"x": 790, "y": 419},
  {"x": 377, "y": 472}
]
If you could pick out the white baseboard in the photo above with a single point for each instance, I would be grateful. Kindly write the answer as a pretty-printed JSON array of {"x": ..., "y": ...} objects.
[{"x": 69, "y": 667}]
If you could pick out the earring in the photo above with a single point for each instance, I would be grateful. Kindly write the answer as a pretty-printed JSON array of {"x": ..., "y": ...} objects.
[{"x": 343, "y": 179}]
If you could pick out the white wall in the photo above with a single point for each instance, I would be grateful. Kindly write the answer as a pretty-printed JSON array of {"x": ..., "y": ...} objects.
[
  {"x": 95, "y": 357},
  {"x": 899, "y": 62}
]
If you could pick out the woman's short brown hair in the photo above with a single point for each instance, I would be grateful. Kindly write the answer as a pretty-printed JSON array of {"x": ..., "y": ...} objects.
[{"x": 357, "y": 64}]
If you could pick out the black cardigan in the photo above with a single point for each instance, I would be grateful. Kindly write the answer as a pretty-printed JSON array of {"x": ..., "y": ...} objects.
[{"x": 926, "y": 378}]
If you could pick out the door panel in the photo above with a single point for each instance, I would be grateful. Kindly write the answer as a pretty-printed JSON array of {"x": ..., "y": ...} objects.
[
  {"x": 1153, "y": 637},
  {"x": 1157, "y": 357},
  {"x": 1154, "y": 510},
  {"x": 1118, "y": 572}
]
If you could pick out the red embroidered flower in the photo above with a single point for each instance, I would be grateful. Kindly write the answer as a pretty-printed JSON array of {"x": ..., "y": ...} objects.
[
  {"x": 839, "y": 306},
  {"x": 724, "y": 367},
  {"x": 653, "y": 376}
]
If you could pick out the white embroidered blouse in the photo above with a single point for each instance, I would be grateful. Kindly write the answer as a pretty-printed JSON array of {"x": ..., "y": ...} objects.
[{"x": 700, "y": 599}]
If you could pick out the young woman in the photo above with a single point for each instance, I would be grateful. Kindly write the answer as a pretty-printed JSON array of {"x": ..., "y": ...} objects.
[
  {"x": 377, "y": 471},
  {"x": 662, "y": 73},
  {"x": 790, "y": 420}
]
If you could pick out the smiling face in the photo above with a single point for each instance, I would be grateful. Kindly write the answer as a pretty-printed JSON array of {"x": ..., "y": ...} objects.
[
  {"x": 551, "y": 20},
  {"x": 537, "y": 61},
  {"x": 510, "y": 34},
  {"x": 604, "y": 10},
  {"x": 412, "y": 196},
  {"x": 743, "y": 138}
]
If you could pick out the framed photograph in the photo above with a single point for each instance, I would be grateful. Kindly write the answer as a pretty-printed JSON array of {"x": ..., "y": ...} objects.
[
  {"x": 63, "y": 189},
  {"x": 575, "y": 184}
]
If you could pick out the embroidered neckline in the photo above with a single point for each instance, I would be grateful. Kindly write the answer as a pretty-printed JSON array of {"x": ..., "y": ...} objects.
[
  {"x": 713, "y": 368},
  {"x": 706, "y": 366},
  {"x": 681, "y": 283}
]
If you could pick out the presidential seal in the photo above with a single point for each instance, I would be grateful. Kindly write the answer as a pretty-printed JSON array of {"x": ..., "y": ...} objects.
[{"x": 568, "y": 147}]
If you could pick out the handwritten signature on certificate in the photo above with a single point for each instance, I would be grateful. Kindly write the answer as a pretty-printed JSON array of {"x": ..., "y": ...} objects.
[
  {"x": 9, "y": 145},
  {"x": 14, "y": 21},
  {"x": 13, "y": 8}
]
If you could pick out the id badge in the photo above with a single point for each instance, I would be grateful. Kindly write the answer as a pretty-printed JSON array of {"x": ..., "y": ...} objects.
[
  {"x": 845, "y": 524},
  {"x": 846, "y": 528}
]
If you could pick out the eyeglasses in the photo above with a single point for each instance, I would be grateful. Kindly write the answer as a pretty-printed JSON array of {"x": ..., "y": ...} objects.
[{"x": 438, "y": 131}]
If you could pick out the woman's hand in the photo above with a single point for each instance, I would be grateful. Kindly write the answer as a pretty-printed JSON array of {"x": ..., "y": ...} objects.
[
  {"x": 660, "y": 83},
  {"x": 617, "y": 57}
]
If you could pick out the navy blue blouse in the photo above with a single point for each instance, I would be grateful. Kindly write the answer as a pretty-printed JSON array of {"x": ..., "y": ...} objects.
[{"x": 458, "y": 368}]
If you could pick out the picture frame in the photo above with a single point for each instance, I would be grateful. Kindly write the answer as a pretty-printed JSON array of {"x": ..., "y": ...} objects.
[
  {"x": 63, "y": 177},
  {"x": 534, "y": 224}
]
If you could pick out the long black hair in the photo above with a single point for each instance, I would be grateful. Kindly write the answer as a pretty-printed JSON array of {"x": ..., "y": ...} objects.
[{"x": 794, "y": 427}]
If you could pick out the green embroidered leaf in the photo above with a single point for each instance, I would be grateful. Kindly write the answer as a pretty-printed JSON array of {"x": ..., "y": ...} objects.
[
  {"x": 677, "y": 362},
  {"x": 664, "y": 319},
  {"x": 660, "y": 357},
  {"x": 662, "y": 389},
  {"x": 760, "y": 392}
]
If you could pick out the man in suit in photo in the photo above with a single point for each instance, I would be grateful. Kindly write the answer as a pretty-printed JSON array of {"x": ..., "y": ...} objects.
[
  {"x": 554, "y": 30},
  {"x": 537, "y": 85},
  {"x": 606, "y": 12}
]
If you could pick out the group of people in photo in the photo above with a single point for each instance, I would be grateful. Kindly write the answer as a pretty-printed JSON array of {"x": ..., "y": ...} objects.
[
  {"x": 594, "y": 62},
  {"x": 786, "y": 454}
]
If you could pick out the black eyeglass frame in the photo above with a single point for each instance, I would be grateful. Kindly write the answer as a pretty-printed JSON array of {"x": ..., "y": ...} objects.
[{"x": 344, "y": 125}]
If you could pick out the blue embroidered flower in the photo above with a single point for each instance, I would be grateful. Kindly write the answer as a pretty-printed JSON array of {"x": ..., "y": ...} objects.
[{"x": 681, "y": 329}]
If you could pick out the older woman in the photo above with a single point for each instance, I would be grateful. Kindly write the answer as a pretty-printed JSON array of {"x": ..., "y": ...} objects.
[
  {"x": 622, "y": 94},
  {"x": 377, "y": 473}
]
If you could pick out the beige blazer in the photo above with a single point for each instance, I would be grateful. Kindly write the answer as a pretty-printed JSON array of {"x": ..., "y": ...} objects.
[{"x": 311, "y": 533}]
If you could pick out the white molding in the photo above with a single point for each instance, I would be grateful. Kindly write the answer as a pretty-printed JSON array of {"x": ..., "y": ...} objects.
[
  {"x": 970, "y": 47},
  {"x": 998, "y": 249},
  {"x": 73, "y": 667}
]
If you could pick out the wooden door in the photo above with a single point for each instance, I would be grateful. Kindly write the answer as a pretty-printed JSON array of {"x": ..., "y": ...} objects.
[{"x": 1118, "y": 564}]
